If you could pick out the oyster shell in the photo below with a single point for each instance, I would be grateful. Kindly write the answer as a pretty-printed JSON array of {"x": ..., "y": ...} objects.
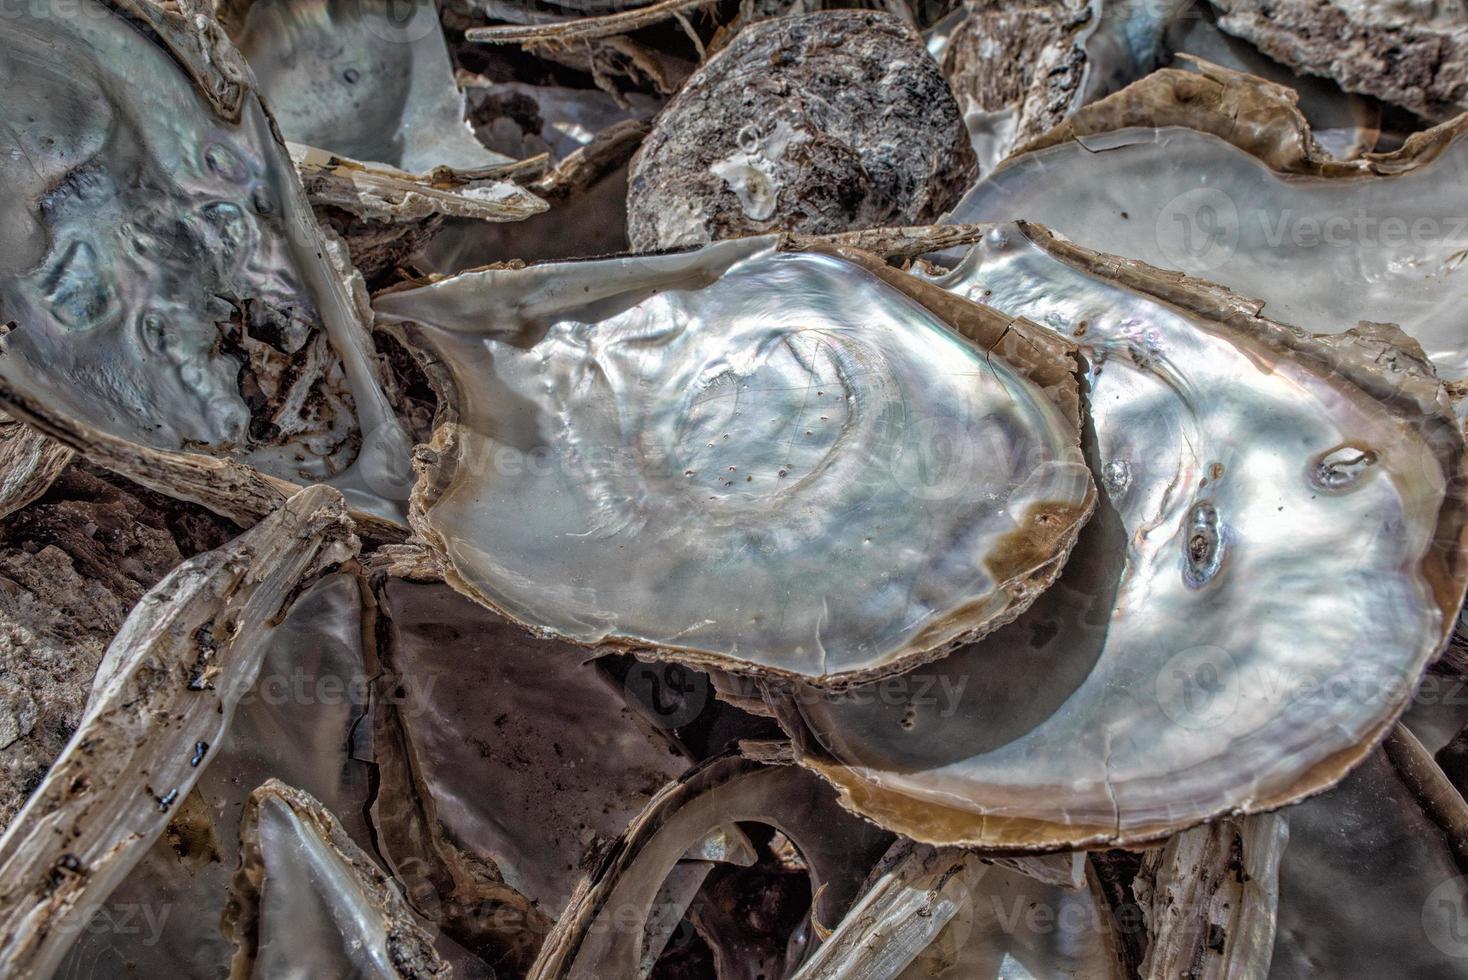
[
  {"x": 651, "y": 454},
  {"x": 168, "y": 685},
  {"x": 600, "y": 933},
  {"x": 386, "y": 194},
  {"x": 1426, "y": 72},
  {"x": 477, "y": 727},
  {"x": 1215, "y": 174},
  {"x": 1210, "y": 897},
  {"x": 302, "y": 720},
  {"x": 159, "y": 253},
  {"x": 29, "y": 464},
  {"x": 852, "y": 127},
  {"x": 1186, "y": 663},
  {"x": 72, "y": 565},
  {"x": 367, "y": 79},
  {"x": 1372, "y": 882},
  {"x": 936, "y": 912},
  {"x": 306, "y": 900}
]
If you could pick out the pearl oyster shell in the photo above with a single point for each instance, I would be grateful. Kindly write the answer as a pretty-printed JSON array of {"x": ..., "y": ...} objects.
[
  {"x": 156, "y": 241},
  {"x": 702, "y": 455},
  {"x": 294, "y": 722},
  {"x": 1283, "y": 520},
  {"x": 366, "y": 79},
  {"x": 1216, "y": 174},
  {"x": 505, "y": 763}
]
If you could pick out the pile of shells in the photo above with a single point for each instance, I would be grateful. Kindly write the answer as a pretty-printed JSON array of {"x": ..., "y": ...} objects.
[{"x": 739, "y": 489}]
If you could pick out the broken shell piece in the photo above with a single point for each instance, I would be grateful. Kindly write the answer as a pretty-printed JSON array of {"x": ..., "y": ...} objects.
[
  {"x": 302, "y": 721},
  {"x": 1373, "y": 882},
  {"x": 1425, "y": 71},
  {"x": 1019, "y": 67},
  {"x": 1216, "y": 174},
  {"x": 170, "y": 680},
  {"x": 851, "y": 126},
  {"x": 29, "y": 463},
  {"x": 766, "y": 462},
  {"x": 368, "y": 79},
  {"x": 1345, "y": 125},
  {"x": 478, "y": 727},
  {"x": 73, "y": 564},
  {"x": 308, "y": 902},
  {"x": 601, "y": 932},
  {"x": 387, "y": 194},
  {"x": 168, "y": 281},
  {"x": 1188, "y": 663},
  {"x": 1210, "y": 897},
  {"x": 943, "y": 912}
]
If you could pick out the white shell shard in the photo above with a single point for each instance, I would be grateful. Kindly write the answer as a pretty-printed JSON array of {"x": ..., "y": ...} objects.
[
  {"x": 168, "y": 282},
  {"x": 170, "y": 681},
  {"x": 1277, "y": 557},
  {"x": 944, "y": 912},
  {"x": 1210, "y": 899},
  {"x": 307, "y": 901},
  {"x": 29, "y": 463},
  {"x": 601, "y": 931},
  {"x": 369, "y": 79},
  {"x": 387, "y": 194},
  {"x": 767, "y": 462},
  {"x": 1372, "y": 883},
  {"x": 1325, "y": 244}
]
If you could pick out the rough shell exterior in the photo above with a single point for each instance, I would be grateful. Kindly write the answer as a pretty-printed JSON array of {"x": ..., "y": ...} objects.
[{"x": 822, "y": 123}]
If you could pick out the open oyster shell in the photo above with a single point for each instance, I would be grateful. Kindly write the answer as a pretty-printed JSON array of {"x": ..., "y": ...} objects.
[
  {"x": 701, "y": 455},
  {"x": 164, "y": 693},
  {"x": 163, "y": 277},
  {"x": 1215, "y": 174},
  {"x": 1202, "y": 654}
]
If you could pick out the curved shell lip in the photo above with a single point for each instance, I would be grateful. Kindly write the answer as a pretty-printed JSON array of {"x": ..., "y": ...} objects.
[
  {"x": 1388, "y": 368},
  {"x": 1046, "y": 360},
  {"x": 226, "y": 486},
  {"x": 759, "y": 760},
  {"x": 1260, "y": 117}
]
